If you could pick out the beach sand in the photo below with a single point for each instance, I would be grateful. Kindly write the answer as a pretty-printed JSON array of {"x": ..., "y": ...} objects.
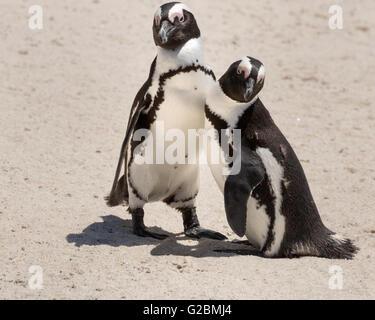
[{"x": 65, "y": 94}]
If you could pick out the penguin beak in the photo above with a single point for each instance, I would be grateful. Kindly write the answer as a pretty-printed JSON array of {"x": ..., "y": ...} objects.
[
  {"x": 166, "y": 29},
  {"x": 249, "y": 89}
]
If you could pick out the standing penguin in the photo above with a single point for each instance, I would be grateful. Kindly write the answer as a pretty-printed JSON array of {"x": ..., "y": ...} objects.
[
  {"x": 174, "y": 97},
  {"x": 269, "y": 200}
]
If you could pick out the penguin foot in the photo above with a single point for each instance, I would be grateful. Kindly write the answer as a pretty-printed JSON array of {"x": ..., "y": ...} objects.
[
  {"x": 192, "y": 228},
  {"x": 199, "y": 232},
  {"x": 139, "y": 227}
]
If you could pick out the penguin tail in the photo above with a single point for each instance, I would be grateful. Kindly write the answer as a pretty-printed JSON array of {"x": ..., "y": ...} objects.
[
  {"x": 119, "y": 195},
  {"x": 112, "y": 200},
  {"x": 327, "y": 245},
  {"x": 336, "y": 246}
]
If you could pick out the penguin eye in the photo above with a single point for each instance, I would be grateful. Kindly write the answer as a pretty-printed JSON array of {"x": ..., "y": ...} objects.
[{"x": 177, "y": 15}]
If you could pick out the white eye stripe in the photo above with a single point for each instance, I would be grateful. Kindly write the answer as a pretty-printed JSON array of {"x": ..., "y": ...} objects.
[
  {"x": 157, "y": 20},
  {"x": 157, "y": 16},
  {"x": 261, "y": 74},
  {"x": 245, "y": 66}
]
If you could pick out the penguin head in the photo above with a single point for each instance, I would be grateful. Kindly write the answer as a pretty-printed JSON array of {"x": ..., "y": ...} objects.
[
  {"x": 174, "y": 24},
  {"x": 243, "y": 80}
]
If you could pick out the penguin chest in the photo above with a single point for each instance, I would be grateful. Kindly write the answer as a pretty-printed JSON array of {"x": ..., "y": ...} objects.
[
  {"x": 184, "y": 99},
  {"x": 180, "y": 117},
  {"x": 171, "y": 137},
  {"x": 215, "y": 156}
]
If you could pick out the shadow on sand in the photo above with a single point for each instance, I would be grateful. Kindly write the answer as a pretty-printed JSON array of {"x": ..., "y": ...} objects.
[{"x": 114, "y": 231}]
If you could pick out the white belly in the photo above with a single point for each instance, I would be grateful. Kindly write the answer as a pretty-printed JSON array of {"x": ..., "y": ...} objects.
[
  {"x": 181, "y": 111},
  {"x": 257, "y": 223},
  {"x": 155, "y": 182},
  {"x": 257, "y": 220},
  {"x": 275, "y": 173}
]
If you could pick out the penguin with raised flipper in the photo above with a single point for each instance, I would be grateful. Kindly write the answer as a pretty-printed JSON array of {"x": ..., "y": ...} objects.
[
  {"x": 268, "y": 199},
  {"x": 173, "y": 95}
]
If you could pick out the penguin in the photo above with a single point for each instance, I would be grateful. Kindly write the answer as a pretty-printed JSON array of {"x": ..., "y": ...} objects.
[
  {"x": 268, "y": 198},
  {"x": 172, "y": 97}
]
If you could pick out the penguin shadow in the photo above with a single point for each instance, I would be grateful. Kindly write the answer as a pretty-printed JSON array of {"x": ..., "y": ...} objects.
[
  {"x": 114, "y": 231},
  {"x": 182, "y": 246}
]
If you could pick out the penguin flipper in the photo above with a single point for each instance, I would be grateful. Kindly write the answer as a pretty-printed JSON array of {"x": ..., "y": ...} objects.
[
  {"x": 114, "y": 197},
  {"x": 121, "y": 194},
  {"x": 142, "y": 101},
  {"x": 238, "y": 189}
]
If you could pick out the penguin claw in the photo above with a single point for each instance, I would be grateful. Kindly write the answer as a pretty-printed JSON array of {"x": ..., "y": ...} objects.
[{"x": 198, "y": 232}]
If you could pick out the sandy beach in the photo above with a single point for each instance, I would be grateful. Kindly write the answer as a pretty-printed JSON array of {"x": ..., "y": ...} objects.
[{"x": 65, "y": 95}]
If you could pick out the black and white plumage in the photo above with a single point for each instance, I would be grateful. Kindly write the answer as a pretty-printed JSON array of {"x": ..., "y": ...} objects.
[
  {"x": 174, "y": 95},
  {"x": 269, "y": 200}
]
